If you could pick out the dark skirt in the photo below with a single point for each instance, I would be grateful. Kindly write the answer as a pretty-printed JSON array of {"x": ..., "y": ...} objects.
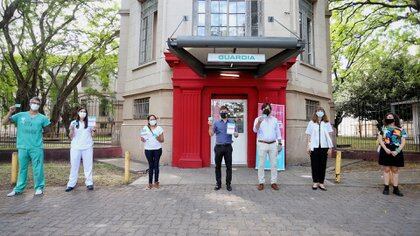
[{"x": 390, "y": 160}]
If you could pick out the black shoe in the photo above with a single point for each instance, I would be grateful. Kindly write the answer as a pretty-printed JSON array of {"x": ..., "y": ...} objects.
[
  {"x": 397, "y": 192},
  {"x": 68, "y": 189},
  {"x": 386, "y": 190},
  {"x": 89, "y": 187},
  {"x": 217, "y": 187},
  {"x": 229, "y": 188}
]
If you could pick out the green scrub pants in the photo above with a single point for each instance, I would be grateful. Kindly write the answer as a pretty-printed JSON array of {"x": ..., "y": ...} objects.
[{"x": 36, "y": 155}]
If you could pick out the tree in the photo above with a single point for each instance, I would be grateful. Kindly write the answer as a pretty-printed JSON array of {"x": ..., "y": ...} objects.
[
  {"x": 100, "y": 74},
  {"x": 368, "y": 94},
  {"x": 355, "y": 24},
  {"x": 54, "y": 44},
  {"x": 358, "y": 30}
]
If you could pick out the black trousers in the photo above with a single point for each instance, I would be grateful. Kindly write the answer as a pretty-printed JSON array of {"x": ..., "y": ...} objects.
[
  {"x": 153, "y": 157},
  {"x": 319, "y": 164},
  {"x": 223, "y": 151}
]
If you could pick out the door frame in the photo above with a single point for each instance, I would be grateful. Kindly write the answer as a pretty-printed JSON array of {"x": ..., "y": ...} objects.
[{"x": 247, "y": 93}]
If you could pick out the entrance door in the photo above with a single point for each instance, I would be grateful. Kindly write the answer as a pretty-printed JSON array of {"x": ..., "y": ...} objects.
[{"x": 238, "y": 112}]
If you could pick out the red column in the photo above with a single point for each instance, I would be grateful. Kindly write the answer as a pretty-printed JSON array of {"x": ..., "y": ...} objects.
[{"x": 186, "y": 115}]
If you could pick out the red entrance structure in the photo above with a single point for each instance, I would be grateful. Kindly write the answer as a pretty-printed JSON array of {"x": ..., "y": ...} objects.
[
  {"x": 196, "y": 81},
  {"x": 192, "y": 94}
]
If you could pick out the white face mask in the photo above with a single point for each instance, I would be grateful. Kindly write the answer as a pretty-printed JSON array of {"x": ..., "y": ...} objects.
[
  {"x": 320, "y": 114},
  {"x": 34, "y": 107},
  {"x": 82, "y": 114},
  {"x": 152, "y": 122}
]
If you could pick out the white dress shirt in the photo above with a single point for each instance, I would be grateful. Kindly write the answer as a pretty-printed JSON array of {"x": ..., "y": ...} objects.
[
  {"x": 269, "y": 129},
  {"x": 313, "y": 130}
]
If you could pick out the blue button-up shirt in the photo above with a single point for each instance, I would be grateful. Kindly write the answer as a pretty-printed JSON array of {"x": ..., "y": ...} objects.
[{"x": 220, "y": 129}]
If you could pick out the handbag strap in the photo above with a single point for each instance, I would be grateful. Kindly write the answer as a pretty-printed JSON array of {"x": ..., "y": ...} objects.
[{"x": 151, "y": 131}]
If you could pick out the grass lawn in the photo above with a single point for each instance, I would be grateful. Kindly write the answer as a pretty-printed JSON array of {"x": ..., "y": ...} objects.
[{"x": 57, "y": 174}]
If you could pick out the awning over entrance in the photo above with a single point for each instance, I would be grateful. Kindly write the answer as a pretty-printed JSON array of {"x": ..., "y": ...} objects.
[{"x": 259, "y": 55}]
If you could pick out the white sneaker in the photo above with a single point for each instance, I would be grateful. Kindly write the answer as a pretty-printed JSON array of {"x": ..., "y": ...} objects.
[
  {"x": 38, "y": 192},
  {"x": 12, "y": 193}
]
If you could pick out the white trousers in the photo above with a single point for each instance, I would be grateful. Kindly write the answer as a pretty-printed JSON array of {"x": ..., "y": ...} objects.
[
  {"x": 75, "y": 157},
  {"x": 272, "y": 151}
]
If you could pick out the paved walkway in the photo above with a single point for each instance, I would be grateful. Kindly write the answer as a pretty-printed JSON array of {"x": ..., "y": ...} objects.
[
  {"x": 187, "y": 205},
  {"x": 294, "y": 175}
]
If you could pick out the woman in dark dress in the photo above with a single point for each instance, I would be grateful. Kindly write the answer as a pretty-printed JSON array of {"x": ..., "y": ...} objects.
[{"x": 392, "y": 140}]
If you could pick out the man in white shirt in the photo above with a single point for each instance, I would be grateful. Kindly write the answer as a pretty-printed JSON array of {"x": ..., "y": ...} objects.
[{"x": 268, "y": 142}]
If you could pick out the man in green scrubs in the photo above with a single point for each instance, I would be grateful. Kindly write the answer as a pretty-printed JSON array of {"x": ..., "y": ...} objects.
[{"x": 30, "y": 128}]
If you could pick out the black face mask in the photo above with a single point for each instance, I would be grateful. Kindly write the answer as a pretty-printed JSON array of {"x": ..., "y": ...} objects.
[
  {"x": 223, "y": 115},
  {"x": 389, "y": 121},
  {"x": 266, "y": 112}
]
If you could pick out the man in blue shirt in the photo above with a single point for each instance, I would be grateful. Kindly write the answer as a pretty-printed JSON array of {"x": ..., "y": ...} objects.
[
  {"x": 223, "y": 148},
  {"x": 30, "y": 128}
]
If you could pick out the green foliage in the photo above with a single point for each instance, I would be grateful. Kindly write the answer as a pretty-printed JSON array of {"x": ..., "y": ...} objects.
[
  {"x": 368, "y": 93},
  {"x": 49, "y": 47},
  {"x": 374, "y": 56}
]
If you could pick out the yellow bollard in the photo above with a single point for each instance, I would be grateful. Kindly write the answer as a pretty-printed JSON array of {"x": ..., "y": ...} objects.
[
  {"x": 338, "y": 167},
  {"x": 13, "y": 177},
  {"x": 127, "y": 167}
]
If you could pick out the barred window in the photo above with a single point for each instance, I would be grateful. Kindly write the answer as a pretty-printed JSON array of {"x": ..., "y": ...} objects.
[
  {"x": 141, "y": 108},
  {"x": 228, "y": 18},
  {"x": 148, "y": 30},
  {"x": 311, "y": 106},
  {"x": 306, "y": 17}
]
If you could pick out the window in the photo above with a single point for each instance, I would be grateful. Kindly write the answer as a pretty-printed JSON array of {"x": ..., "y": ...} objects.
[
  {"x": 148, "y": 30},
  {"x": 311, "y": 106},
  {"x": 83, "y": 102},
  {"x": 306, "y": 30},
  {"x": 141, "y": 108},
  {"x": 228, "y": 18}
]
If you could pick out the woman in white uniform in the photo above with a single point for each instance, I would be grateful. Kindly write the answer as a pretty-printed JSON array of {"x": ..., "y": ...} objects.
[{"x": 81, "y": 149}]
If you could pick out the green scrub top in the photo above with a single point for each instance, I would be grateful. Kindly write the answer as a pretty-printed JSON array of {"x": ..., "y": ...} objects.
[{"x": 29, "y": 129}]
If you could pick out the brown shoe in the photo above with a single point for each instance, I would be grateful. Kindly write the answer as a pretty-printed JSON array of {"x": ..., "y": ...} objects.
[
  {"x": 156, "y": 185},
  {"x": 150, "y": 186},
  {"x": 260, "y": 187},
  {"x": 275, "y": 187}
]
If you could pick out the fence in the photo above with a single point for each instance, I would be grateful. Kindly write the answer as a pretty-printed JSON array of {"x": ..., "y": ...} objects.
[
  {"x": 361, "y": 134},
  {"x": 107, "y": 132}
]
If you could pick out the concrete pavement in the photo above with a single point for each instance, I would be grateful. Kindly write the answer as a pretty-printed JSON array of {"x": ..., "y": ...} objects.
[{"x": 187, "y": 205}]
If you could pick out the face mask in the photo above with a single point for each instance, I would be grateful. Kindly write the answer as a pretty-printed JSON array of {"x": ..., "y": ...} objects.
[
  {"x": 82, "y": 114},
  {"x": 152, "y": 122},
  {"x": 320, "y": 114},
  {"x": 34, "y": 107},
  {"x": 389, "y": 121},
  {"x": 266, "y": 112},
  {"x": 223, "y": 115}
]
